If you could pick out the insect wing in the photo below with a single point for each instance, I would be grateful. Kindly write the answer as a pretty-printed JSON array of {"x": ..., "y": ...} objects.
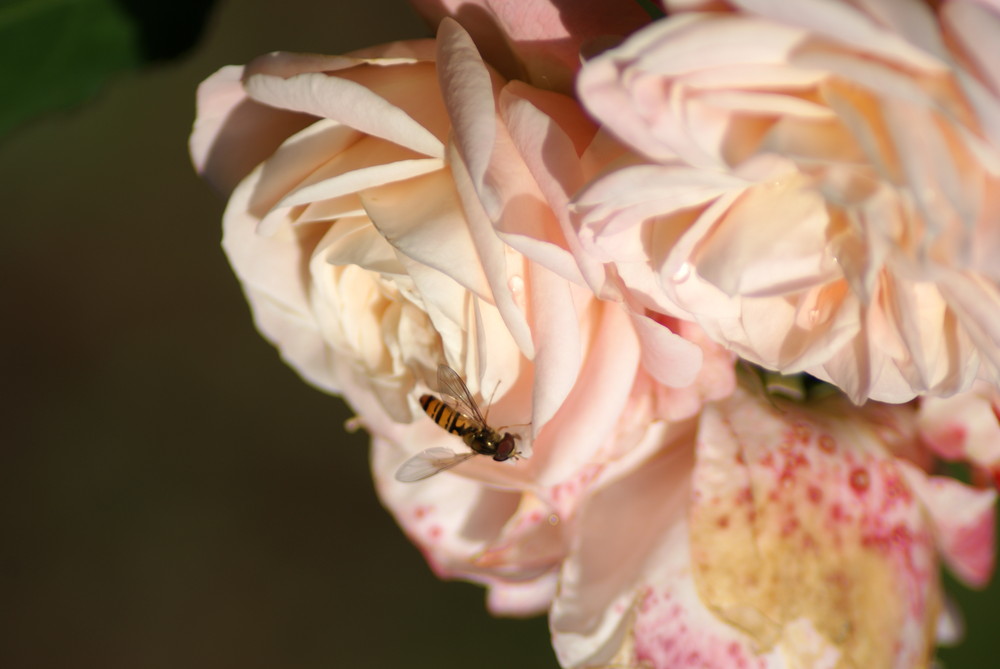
[
  {"x": 452, "y": 385},
  {"x": 428, "y": 463}
]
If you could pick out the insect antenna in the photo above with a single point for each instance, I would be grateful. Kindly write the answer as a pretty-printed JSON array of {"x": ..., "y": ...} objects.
[{"x": 490, "y": 403}]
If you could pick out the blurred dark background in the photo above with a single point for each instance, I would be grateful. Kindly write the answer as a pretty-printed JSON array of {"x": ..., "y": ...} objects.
[{"x": 171, "y": 495}]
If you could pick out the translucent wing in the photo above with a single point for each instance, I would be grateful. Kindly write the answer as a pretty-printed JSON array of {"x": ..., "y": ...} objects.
[
  {"x": 451, "y": 384},
  {"x": 430, "y": 462}
]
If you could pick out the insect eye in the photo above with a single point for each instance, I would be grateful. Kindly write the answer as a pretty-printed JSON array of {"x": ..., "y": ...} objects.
[{"x": 505, "y": 449}]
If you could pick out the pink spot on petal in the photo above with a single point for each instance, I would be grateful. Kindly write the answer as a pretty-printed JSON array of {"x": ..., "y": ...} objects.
[
  {"x": 802, "y": 432},
  {"x": 901, "y": 535},
  {"x": 860, "y": 480}
]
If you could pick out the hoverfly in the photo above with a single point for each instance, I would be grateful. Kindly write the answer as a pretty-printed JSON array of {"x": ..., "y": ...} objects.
[{"x": 460, "y": 416}]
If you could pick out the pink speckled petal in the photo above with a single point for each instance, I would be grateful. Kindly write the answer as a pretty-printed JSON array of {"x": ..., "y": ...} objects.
[
  {"x": 610, "y": 560},
  {"x": 803, "y": 521},
  {"x": 531, "y": 541},
  {"x": 964, "y": 426},
  {"x": 964, "y": 522},
  {"x": 673, "y": 629},
  {"x": 523, "y": 598},
  {"x": 451, "y": 535}
]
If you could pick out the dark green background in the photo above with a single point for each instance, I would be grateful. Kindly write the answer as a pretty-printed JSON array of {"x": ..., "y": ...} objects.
[{"x": 170, "y": 494}]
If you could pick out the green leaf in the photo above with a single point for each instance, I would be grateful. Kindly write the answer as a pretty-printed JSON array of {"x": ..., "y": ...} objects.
[{"x": 57, "y": 53}]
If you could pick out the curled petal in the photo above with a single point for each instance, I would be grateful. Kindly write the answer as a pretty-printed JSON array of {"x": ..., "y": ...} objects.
[
  {"x": 315, "y": 92},
  {"x": 539, "y": 41},
  {"x": 964, "y": 426},
  {"x": 671, "y": 359},
  {"x": 964, "y": 523},
  {"x": 233, "y": 133}
]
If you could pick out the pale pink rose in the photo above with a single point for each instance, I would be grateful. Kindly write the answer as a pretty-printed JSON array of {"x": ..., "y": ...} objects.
[
  {"x": 816, "y": 184},
  {"x": 799, "y": 536},
  {"x": 538, "y": 41},
  {"x": 406, "y": 207}
]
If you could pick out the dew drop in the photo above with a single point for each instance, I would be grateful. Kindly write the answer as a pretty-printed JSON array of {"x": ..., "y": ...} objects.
[
  {"x": 515, "y": 284},
  {"x": 683, "y": 273}
]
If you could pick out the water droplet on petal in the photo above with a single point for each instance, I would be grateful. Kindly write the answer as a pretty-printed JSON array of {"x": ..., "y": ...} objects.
[
  {"x": 515, "y": 284},
  {"x": 683, "y": 273}
]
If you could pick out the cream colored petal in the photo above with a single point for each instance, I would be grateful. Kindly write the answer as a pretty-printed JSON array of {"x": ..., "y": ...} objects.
[
  {"x": 548, "y": 132},
  {"x": 423, "y": 219},
  {"x": 588, "y": 395},
  {"x": 469, "y": 93},
  {"x": 771, "y": 241},
  {"x": 505, "y": 269},
  {"x": 843, "y": 23},
  {"x": 345, "y": 101},
  {"x": 669, "y": 358},
  {"x": 232, "y": 133}
]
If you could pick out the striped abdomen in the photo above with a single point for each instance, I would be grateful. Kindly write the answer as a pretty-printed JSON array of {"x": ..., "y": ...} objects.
[{"x": 448, "y": 418}]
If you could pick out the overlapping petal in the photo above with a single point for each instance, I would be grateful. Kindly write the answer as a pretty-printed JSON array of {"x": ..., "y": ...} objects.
[
  {"x": 820, "y": 180},
  {"x": 539, "y": 41},
  {"x": 809, "y": 186},
  {"x": 791, "y": 536},
  {"x": 413, "y": 212}
]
